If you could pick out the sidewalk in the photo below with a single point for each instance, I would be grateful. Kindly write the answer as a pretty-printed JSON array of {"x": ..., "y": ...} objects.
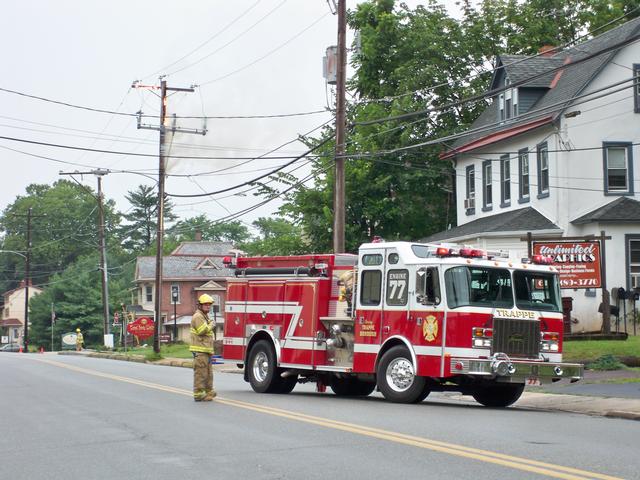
[{"x": 547, "y": 398}]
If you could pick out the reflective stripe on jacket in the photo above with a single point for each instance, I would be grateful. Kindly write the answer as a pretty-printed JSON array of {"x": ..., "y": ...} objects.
[{"x": 201, "y": 333}]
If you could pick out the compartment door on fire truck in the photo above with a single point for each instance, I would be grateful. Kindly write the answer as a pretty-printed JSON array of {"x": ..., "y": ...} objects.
[
  {"x": 235, "y": 320},
  {"x": 368, "y": 322},
  {"x": 427, "y": 321},
  {"x": 396, "y": 296}
]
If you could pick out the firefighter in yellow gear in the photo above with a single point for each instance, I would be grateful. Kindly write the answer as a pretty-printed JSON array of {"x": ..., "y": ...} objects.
[
  {"x": 79, "y": 340},
  {"x": 202, "y": 349}
]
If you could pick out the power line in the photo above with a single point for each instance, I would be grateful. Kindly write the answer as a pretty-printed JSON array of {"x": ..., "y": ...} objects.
[
  {"x": 556, "y": 49},
  {"x": 326, "y": 140},
  {"x": 113, "y": 112},
  {"x": 263, "y": 18},
  {"x": 208, "y": 40},
  {"x": 495, "y": 91},
  {"x": 268, "y": 54}
]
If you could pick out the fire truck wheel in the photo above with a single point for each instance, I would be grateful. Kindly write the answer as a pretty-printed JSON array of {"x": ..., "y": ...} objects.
[
  {"x": 498, "y": 395},
  {"x": 351, "y": 387},
  {"x": 397, "y": 378},
  {"x": 262, "y": 368}
]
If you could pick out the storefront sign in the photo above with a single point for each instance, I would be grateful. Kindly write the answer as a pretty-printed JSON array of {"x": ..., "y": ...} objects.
[
  {"x": 143, "y": 327},
  {"x": 577, "y": 262}
]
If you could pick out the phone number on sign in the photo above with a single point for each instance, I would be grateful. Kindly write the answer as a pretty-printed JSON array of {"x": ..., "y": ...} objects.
[{"x": 578, "y": 282}]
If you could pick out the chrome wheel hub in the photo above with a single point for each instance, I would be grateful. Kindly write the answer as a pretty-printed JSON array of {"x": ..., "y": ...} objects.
[
  {"x": 400, "y": 374},
  {"x": 260, "y": 367}
]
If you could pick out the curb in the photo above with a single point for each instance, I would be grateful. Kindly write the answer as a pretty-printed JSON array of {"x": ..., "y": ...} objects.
[
  {"x": 623, "y": 415},
  {"x": 165, "y": 362}
]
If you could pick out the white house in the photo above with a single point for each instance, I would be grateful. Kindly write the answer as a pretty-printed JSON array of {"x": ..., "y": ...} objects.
[
  {"x": 555, "y": 154},
  {"x": 12, "y": 315}
]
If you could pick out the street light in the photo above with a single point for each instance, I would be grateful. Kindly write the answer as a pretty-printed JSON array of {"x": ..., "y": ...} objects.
[
  {"x": 26, "y": 298},
  {"x": 174, "y": 299}
]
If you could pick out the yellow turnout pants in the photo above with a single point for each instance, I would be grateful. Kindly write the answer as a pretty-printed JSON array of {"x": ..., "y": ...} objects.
[{"x": 202, "y": 375}]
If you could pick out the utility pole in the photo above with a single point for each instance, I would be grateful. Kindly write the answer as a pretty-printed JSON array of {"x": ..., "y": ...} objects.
[
  {"x": 339, "y": 189},
  {"x": 27, "y": 274},
  {"x": 27, "y": 281},
  {"x": 103, "y": 249},
  {"x": 162, "y": 128}
]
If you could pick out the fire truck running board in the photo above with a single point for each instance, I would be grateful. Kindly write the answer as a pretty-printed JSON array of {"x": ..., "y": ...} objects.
[{"x": 316, "y": 368}]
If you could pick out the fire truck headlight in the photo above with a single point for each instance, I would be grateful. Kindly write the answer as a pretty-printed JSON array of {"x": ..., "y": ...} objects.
[{"x": 554, "y": 347}]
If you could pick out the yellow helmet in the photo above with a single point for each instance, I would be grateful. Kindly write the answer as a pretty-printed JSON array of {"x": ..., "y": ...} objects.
[
  {"x": 204, "y": 298},
  {"x": 78, "y": 330}
]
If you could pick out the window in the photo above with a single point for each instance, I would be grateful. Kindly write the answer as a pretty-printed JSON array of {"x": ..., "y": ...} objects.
[
  {"x": 618, "y": 168},
  {"x": 505, "y": 180},
  {"x": 543, "y": 170},
  {"x": 372, "y": 259},
  {"x": 537, "y": 291},
  {"x": 428, "y": 286},
  {"x": 470, "y": 201},
  {"x": 371, "y": 286},
  {"x": 397, "y": 287},
  {"x": 175, "y": 293},
  {"x": 393, "y": 258},
  {"x": 633, "y": 261},
  {"x": 487, "y": 199},
  {"x": 148, "y": 292},
  {"x": 523, "y": 175},
  {"x": 501, "y": 115},
  {"x": 478, "y": 286},
  {"x": 636, "y": 89}
]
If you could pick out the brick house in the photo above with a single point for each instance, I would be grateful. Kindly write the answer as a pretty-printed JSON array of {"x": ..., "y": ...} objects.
[{"x": 192, "y": 269}]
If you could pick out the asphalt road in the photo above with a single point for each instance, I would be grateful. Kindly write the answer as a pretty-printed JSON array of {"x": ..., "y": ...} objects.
[{"x": 78, "y": 417}]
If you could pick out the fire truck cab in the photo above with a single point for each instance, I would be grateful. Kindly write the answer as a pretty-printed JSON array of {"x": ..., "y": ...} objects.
[{"x": 405, "y": 318}]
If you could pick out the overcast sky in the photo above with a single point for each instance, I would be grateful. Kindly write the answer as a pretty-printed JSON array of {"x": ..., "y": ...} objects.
[{"x": 249, "y": 57}]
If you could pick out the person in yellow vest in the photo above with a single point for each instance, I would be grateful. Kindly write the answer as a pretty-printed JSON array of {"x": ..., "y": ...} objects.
[
  {"x": 202, "y": 349},
  {"x": 79, "y": 340}
]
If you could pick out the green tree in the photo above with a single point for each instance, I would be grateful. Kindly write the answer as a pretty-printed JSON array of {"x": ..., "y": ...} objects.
[
  {"x": 76, "y": 297},
  {"x": 140, "y": 233},
  {"x": 63, "y": 228},
  {"x": 411, "y": 61},
  {"x": 276, "y": 236},
  {"x": 185, "y": 230}
]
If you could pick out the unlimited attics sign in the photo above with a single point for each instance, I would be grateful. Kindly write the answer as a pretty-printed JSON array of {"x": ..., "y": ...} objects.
[{"x": 577, "y": 262}]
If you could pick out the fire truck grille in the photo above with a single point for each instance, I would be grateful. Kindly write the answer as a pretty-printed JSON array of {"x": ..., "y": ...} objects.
[{"x": 517, "y": 338}]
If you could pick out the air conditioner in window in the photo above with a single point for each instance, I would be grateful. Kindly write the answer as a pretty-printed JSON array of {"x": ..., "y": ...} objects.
[{"x": 469, "y": 203}]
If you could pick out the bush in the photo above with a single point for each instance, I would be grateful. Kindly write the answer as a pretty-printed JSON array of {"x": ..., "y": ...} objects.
[{"x": 606, "y": 362}]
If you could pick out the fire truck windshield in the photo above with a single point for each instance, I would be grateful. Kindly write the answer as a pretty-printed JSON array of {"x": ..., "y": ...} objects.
[
  {"x": 478, "y": 287},
  {"x": 537, "y": 291}
]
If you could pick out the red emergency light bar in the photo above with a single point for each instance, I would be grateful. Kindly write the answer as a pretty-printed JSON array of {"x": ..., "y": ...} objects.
[
  {"x": 471, "y": 253},
  {"x": 541, "y": 260}
]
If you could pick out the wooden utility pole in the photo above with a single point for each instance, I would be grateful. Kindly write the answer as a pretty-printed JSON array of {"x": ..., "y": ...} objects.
[
  {"x": 27, "y": 281},
  {"x": 162, "y": 153},
  {"x": 106, "y": 327},
  {"x": 27, "y": 274},
  {"x": 339, "y": 190}
]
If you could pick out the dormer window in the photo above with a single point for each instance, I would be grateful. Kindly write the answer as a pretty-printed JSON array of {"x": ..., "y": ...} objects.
[{"x": 508, "y": 102}]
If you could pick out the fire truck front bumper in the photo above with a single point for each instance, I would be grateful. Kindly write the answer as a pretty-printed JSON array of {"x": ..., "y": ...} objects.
[{"x": 530, "y": 372}]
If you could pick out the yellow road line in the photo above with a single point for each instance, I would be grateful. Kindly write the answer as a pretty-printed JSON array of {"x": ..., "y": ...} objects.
[{"x": 519, "y": 463}]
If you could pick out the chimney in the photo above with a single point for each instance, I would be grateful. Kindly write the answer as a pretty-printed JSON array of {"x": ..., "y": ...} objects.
[
  {"x": 198, "y": 236},
  {"x": 548, "y": 50}
]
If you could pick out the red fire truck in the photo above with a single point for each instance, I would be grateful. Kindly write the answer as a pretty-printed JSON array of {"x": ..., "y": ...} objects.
[{"x": 417, "y": 318}]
